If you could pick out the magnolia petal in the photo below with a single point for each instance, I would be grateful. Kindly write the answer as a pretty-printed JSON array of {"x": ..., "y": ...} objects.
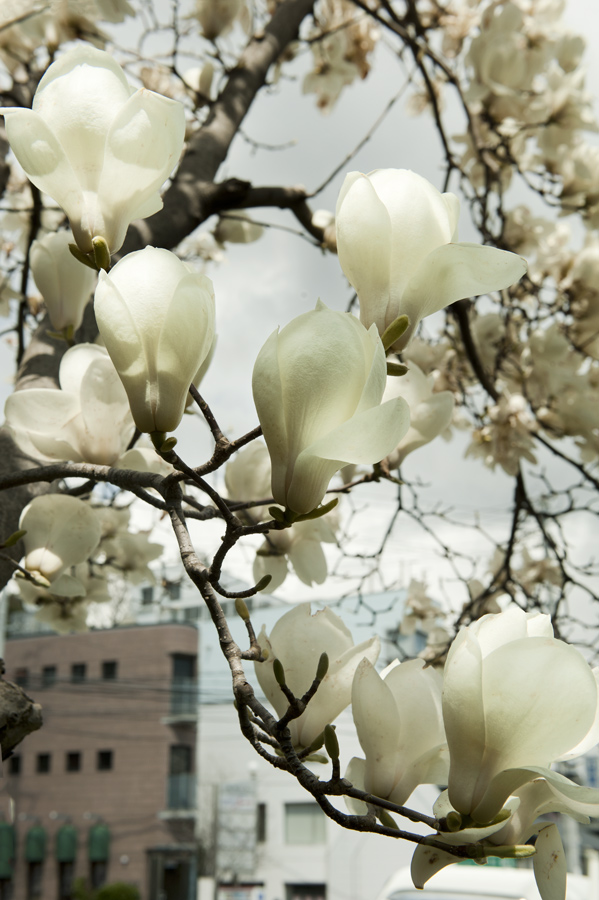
[
  {"x": 378, "y": 727},
  {"x": 75, "y": 364},
  {"x": 364, "y": 439},
  {"x": 325, "y": 708},
  {"x": 513, "y": 671},
  {"x": 268, "y": 399},
  {"x": 463, "y": 714},
  {"x": 592, "y": 738},
  {"x": 366, "y": 263},
  {"x": 43, "y": 159},
  {"x": 40, "y": 409},
  {"x": 356, "y": 774},
  {"x": 452, "y": 272},
  {"x": 427, "y": 861},
  {"x": 143, "y": 144},
  {"x": 549, "y": 864},
  {"x": 308, "y": 561}
]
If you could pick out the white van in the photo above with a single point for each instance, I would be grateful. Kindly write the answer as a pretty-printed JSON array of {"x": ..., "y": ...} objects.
[{"x": 466, "y": 882}]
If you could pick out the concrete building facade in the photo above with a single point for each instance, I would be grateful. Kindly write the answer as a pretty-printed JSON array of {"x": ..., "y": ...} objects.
[{"x": 106, "y": 790}]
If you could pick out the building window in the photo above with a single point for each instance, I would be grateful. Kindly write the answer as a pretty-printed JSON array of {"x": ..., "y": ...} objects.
[
  {"x": 261, "y": 823},
  {"x": 66, "y": 871},
  {"x": 306, "y": 891},
  {"x": 147, "y": 595},
  {"x": 78, "y": 672},
  {"x": 43, "y": 763},
  {"x": 109, "y": 670},
  {"x": 98, "y": 872},
  {"x": 48, "y": 676},
  {"x": 181, "y": 782},
  {"x": 73, "y": 761},
  {"x": 304, "y": 824},
  {"x": 14, "y": 764},
  {"x": 22, "y": 677},
  {"x": 184, "y": 686},
  {"x": 35, "y": 871},
  {"x": 173, "y": 589},
  {"x": 104, "y": 760}
]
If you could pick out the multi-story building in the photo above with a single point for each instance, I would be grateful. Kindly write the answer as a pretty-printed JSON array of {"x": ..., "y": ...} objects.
[{"x": 106, "y": 790}]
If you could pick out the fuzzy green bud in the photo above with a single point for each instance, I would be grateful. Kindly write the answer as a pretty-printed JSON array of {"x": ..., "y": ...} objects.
[
  {"x": 331, "y": 742},
  {"x": 278, "y": 671}
]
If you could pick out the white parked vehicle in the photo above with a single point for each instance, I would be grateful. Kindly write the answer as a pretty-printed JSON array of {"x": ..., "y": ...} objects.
[{"x": 465, "y": 882}]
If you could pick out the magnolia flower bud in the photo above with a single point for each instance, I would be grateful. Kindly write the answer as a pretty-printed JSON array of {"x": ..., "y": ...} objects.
[
  {"x": 61, "y": 532},
  {"x": 98, "y": 147},
  {"x": 156, "y": 317},
  {"x": 400, "y": 728},
  {"x": 63, "y": 282},
  {"x": 396, "y": 239},
  {"x": 317, "y": 387},
  {"x": 298, "y": 641},
  {"x": 237, "y": 227}
]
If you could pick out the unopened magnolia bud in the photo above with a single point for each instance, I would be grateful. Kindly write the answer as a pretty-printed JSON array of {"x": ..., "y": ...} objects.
[
  {"x": 242, "y": 610},
  {"x": 278, "y": 671},
  {"x": 330, "y": 742},
  {"x": 323, "y": 666}
]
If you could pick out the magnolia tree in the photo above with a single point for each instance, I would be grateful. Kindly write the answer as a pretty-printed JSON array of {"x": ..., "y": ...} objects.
[{"x": 108, "y": 170}]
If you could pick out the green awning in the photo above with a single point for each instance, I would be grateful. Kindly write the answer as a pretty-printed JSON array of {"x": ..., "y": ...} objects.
[
  {"x": 99, "y": 843},
  {"x": 66, "y": 844},
  {"x": 35, "y": 844},
  {"x": 7, "y": 849}
]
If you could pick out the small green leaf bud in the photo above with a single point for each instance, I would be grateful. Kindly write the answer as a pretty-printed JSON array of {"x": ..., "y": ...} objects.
[
  {"x": 277, "y": 514},
  {"x": 512, "y": 851},
  {"x": 330, "y": 742},
  {"x": 82, "y": 257},
  {"x": 264, "y": 582},
  {"x": 453, "y": 821},
  {"x": 323, "y": 666},
  {"x": 242, "y": 610},
  {"x": 278, "y": 671},
  {"x": 387, "y": 820},
  {"x": 396, "y": 368},
  {"x": 168, "y": 445},
  {"x": 14, "y": 538},
  {"x": 101, "y": 253},
  {"x": 394, "y": 331},
  {"x": 319, "y": 511}
]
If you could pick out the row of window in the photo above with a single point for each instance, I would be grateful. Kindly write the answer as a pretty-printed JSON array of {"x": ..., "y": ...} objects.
[
  {"x": 49, "y": 674},
  {"x": 73, "y": 762}
]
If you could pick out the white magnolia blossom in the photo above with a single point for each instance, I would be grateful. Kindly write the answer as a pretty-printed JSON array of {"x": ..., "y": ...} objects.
[
  {"x": 61, "y": 532},
  {"x": 298, "y": 640},
  {"x": 507, "y": 439},
  {"x": 421, "y": 612},
  {"x": 217, "y": 17},
  {"x": 237, "y": 227},
  {"x": 299, "y": 546},
  {"x": 430, "y": 412},
  {"x": 398, "y": 719},
  {"x": 97, "y": 146},
  {"x": 397, "y": 245},
  {"x": 318, "y": 386},
  {"x": 156, "y": 317},
  {"x": 63, "y": 282},
  {"x": 507, "y": 682},
  {"x": 87, "y": 420}
]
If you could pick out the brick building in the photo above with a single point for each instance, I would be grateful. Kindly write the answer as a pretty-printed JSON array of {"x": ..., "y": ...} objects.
[{"x": 106, "y": 790}]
